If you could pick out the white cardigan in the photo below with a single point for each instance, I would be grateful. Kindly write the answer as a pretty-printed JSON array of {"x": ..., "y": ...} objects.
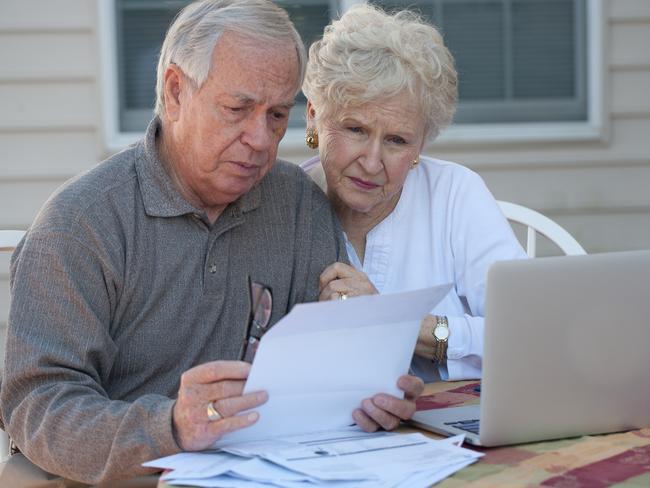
[{"x": 446, "y": 228}]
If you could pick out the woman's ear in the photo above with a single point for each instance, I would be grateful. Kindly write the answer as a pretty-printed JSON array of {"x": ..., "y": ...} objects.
[{"x": 311, "y": 113}]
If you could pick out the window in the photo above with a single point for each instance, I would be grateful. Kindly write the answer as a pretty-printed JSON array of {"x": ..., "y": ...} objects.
[
  {"x": 517, "y": 60},
  {"x": 140, "y": 27},
  {"x": 521, "y": 63}
]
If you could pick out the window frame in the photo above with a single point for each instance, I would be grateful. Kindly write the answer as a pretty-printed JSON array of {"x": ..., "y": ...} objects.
[{"x": 460, "y": 134}]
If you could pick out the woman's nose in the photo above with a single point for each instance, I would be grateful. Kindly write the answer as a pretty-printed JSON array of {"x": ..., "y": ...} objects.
[{"x": 371, "y": 160}]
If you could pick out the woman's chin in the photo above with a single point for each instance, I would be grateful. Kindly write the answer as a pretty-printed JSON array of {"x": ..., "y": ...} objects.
[{"x": 360, "y": 207}]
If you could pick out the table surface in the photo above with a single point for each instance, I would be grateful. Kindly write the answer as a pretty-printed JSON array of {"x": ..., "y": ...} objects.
[
  {"x": 620, "y": 460},
  {"x": 613, "y": 460}
]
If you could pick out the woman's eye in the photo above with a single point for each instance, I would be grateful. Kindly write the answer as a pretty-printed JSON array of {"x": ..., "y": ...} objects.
[
  {"x": 397, "y": 140},
  {"x": 356, "y": 130},
  {"x": 235, "y": 109}
]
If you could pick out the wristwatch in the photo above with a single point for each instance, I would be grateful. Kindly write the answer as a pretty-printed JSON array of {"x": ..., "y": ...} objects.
[{"x": 440, "y": 339}]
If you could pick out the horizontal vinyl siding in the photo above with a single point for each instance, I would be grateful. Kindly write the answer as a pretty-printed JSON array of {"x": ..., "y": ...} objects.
[
  {"x": 47, "y": 104},
  {"x": 603, "y": 188},
  {"x": 629, "y": 10},
  {"x": 48, "y": 56},
  {"x": 47, "y": 15},
  {"x": 49, "y": 121},
  {"x": 24, "y": 198},
  {"x": 58, "y": 153},
  {"x": 629, "y": 35}
]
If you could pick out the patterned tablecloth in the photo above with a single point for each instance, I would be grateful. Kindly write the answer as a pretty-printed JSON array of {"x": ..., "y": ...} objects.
[{"x": 619, "y": 460}]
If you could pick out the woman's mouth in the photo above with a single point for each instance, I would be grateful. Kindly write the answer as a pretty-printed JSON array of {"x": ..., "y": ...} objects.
[{"x": 363, "y": 184}]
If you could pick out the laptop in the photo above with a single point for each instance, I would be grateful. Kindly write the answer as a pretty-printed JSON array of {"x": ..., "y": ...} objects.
[{"x": 567, "y": 351}]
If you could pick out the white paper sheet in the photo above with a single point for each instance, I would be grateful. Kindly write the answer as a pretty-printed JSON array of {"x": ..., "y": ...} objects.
[
  {"x": 341, "y": 459},
  {"x": 321, "y": 360}
]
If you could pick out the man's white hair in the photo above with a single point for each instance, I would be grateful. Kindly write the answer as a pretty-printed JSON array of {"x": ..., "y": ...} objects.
[
  {"x": 368, "y": 55},
  {"x": 192, "y": 37}
]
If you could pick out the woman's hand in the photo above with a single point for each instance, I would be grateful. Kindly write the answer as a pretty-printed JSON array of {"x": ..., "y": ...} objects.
[{"x": 340, "y": 279}]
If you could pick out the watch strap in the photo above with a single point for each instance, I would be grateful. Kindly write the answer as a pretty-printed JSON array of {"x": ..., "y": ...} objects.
[{"x": 440, "y": 345}]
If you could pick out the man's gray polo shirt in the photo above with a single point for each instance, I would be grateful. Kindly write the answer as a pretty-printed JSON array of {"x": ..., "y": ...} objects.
[{"x": 121, "y": 285}]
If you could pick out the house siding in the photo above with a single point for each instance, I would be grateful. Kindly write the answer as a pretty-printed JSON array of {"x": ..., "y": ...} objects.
[{"x": 50, "y": 116}]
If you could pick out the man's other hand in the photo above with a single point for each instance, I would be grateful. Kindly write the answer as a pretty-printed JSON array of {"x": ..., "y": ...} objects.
[{"x": 386, "y": 411}]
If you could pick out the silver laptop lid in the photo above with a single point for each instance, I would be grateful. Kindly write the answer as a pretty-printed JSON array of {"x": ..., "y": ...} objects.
[{"x": 567, "y": 347}]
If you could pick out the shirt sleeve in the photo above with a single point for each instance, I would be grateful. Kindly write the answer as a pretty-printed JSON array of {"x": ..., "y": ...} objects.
[
  {"x": 59, "y": 352},
  {"x": 480, "y": 236}
]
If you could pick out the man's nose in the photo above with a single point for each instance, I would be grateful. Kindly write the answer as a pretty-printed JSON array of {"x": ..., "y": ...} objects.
[{"x": 258, "y": 134}]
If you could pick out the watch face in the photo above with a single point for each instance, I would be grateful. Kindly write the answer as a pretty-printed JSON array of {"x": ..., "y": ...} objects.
[{"x": 441, "y": 333}]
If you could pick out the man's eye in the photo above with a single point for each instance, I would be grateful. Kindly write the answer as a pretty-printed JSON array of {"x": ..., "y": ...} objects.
[
  {"x": 280, "y": 115},
  {"x": 235, "y": 109}
]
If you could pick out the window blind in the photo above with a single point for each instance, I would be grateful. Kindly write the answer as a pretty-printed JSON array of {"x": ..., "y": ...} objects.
[{"x": 518, "y": 60}]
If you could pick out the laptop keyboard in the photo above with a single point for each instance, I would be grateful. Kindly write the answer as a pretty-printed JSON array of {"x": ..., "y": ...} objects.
[{"x": 468, "y": 425}]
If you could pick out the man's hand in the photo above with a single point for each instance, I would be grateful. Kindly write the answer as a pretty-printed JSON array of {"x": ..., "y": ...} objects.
[
  {"x": 386, "y": 411},
  {"x": 340, "y": 279},
  {"x": 219, "y": 382}
]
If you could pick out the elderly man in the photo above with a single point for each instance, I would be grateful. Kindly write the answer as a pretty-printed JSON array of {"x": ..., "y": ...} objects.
[{"x": 130, "y": 291}]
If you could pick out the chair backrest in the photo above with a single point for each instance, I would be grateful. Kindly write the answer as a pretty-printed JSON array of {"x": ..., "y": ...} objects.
[
  {"x": 9, "y": 239},
  {"x": 538, "y": 223}
]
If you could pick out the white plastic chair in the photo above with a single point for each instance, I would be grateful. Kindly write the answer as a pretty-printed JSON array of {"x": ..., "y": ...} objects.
[
  {"x": 538, "y": 223},
  {"x": 9, "y": 239}
]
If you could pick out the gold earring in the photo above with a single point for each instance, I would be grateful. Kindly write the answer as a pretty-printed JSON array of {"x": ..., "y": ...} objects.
[
  {"x": 415, "y": 163},
  {"x": 311, "y": 138}
]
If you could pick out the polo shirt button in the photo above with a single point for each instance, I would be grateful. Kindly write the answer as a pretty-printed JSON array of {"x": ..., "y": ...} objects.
[{"x": 213, "y": 268}]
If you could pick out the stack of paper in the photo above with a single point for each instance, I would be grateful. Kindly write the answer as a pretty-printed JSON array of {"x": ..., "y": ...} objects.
[{"x": 342, "y": 459}]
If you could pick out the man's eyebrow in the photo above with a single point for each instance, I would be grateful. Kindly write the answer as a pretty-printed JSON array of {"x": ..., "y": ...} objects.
[
  {"x": 248, "y": 100},
  {"x": 288, "y": 105},
  {"x": 244, "y": 99}
]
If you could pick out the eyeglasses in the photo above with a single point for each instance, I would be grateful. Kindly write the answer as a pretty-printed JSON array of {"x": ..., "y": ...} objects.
[{"x": 261, "y": 302}]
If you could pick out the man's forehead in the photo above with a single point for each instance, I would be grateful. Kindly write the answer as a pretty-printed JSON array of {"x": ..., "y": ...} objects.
[
  {"x": 251, "y": 70},
  {"x": 236, "y": 45}
]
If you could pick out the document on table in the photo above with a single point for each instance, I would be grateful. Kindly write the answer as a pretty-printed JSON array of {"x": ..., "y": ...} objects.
[
  {"x": 322, "y": 359},
  {"x": 343, "y": 458}
]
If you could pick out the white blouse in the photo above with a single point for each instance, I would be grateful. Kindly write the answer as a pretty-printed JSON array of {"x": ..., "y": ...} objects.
[{"x": 446, "y": 228}]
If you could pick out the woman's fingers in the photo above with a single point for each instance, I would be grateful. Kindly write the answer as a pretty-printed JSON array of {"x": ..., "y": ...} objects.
[
  {"x": 336, "y": 271},
  {"x": 340, "y": 280}
]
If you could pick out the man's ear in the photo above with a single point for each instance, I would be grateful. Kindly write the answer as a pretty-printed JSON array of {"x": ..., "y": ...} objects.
[{"x": 174, "y": 84}]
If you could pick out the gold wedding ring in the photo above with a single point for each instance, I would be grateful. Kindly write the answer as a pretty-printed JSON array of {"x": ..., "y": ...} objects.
[{"x": 213, "y": 415}]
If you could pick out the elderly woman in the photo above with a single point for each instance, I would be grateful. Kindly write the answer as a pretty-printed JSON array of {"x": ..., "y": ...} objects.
[{"x": 379, "y": 87}]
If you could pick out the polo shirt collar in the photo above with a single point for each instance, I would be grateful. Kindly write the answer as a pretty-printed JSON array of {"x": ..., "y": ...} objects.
[{"x": 160, "y": 196}]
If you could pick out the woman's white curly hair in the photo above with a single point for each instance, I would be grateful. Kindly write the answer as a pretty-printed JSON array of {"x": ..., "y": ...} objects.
[{"x": 368, "y": 55}]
